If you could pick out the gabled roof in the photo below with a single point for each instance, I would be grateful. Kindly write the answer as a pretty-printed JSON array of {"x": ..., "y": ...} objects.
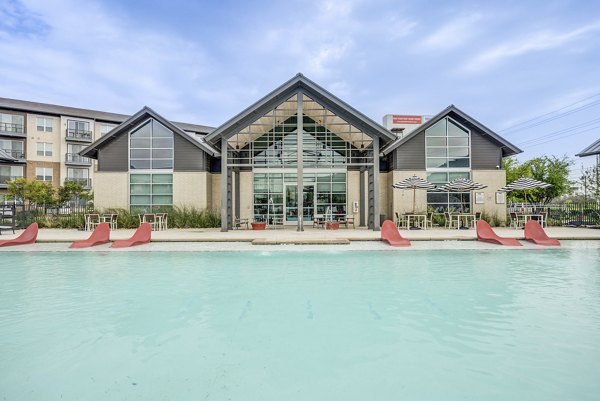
[
  {"x": 53, "y": 109},
  {"x": 142, "y": 115},
  {"x": 593, "y": 149},
  {"x": 297, "y": 84},
  {"x": 508, "y": 149}
]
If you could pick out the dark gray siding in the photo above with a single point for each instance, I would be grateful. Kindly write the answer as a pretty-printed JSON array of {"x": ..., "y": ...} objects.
[
  {"x": 411, "y": 155},
  {"x": 114, "y": 156},
  {"x": 485, "y": 155},
  {"x": 189, "y": 157}
]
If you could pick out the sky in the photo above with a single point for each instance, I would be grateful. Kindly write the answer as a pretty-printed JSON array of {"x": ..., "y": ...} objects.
[{"x": 528, "y": 70}]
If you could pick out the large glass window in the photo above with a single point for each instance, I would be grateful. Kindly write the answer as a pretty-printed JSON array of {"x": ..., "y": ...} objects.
[
  {"x": 11, "y": 123},
  {"x": 447, "y": 145},
  {"x": 150, "y": 192},
  {"x": 440, "y": 202},
  {"x": 79, "y": 175},
  {"x": 275, "y": 195},
  {"x": 151, "y": 147}
]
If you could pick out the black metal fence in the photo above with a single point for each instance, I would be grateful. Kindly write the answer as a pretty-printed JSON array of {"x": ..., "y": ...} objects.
[
  {"x": 51, "y": 216},
  {"x": 564, "y": 214}
]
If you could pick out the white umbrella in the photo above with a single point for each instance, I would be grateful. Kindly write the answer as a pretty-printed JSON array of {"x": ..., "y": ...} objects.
[
  {"x": 413, "y": 183},
  {"x": 523, "y": 184},
  {"x": 461, "y": 185}
]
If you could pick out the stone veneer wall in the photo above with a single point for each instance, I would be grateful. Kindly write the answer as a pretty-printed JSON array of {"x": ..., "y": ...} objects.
[{"x": 111, "y": 190}]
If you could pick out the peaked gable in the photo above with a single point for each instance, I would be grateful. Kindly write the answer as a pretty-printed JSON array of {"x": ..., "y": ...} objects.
[
  {"x": 508, "y": 149},
  {"x": 142, "y": 115},
  {"x": 299, "y": 84}
]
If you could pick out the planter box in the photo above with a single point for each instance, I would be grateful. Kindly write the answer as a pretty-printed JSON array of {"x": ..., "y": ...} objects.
[
  {"x": 332, "y": 225},
  {"x": 259, "y": 226}
]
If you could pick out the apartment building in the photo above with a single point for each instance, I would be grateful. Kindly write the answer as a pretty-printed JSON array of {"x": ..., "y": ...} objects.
[{"x": 43, "y": 141}]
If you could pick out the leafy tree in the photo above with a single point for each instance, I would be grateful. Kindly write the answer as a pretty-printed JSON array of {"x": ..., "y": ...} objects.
[
  {"x": 549, "y": 169},
  {"x": 73, "y": 191},
  {"x": 31, "y": 192},
  {"x": 590, "y": 182}
]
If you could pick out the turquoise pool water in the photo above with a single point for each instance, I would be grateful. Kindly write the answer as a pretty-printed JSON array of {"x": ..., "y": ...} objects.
[{"x": 422, "y": 325}]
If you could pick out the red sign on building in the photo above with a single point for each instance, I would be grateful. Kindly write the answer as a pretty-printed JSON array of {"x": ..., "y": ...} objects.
[{"x": 407, "y": 119}]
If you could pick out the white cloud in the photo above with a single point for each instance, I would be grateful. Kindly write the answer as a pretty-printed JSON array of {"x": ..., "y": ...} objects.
[
  {"x": 533, "y": 42},
  {"x": 453, "y": 34},
  {"x": 95, "y": 56}
]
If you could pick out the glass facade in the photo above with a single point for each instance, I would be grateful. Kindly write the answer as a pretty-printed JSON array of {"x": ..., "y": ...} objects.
[
  {"x": 448, "y": 157},
  {"x": 150, "y": 192},
  {"x": 276, "y": 195},
  {"x": 151, "y": 167},
  {"x": 151, "y": 147}
]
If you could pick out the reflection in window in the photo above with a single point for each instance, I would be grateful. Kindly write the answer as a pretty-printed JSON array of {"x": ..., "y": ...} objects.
[{"x": 150, "y": 192}]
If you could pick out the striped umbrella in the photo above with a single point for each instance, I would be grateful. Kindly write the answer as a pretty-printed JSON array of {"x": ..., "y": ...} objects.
[
  {"x": 413, "y": 183},
  {"x": 461, "y": 185},
  {"x": 523, "y": 184}
]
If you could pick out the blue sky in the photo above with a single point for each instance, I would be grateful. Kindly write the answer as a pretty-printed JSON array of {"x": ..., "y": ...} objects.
[{"x": 204, "y": 61}]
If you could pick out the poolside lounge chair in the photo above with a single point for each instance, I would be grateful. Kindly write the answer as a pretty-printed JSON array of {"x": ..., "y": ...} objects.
[
  {"x": 486, "y": 234},
  {"x": 534, "y": 232},
  {"x": 141, "y": 236},
  {"x": 99, "y": 236},
  {"x": 27, "y": 237},
  {"x": 391, "y": 235}
]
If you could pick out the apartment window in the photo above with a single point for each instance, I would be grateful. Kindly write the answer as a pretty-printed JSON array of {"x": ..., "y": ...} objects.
[
  {"x": 44, "y": 149},
  {"x": 11, "y": 123},
  {"x": 44, "y": 124},
  {"x": 13, "y": 148},
  {"x": 43, "y": 173},
  {"x": 9, "y": 173},
  {"x": 79, "y": 175},
  {"x": 105, "y": 129}
]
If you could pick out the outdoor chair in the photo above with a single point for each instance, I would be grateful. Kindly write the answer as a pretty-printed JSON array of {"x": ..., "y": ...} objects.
[
  {"x": 449, "y": 221},
  {"x": 477, "y": 218},
  {"x": 428, "y": 221},
  {"x": 516, "y": 221},
  {"x": 162, "y": 220},
  {"x": 152, "y": 220},
  {"x": 237, "y": 223},
  {"x": 91, "y": 221}
]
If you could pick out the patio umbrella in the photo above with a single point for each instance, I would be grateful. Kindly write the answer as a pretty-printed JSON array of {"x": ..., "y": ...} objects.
[
  {"x": 523, "y": 184},
  {"x": 461, "y": 185},
  {"x": 413, "y": 183}
]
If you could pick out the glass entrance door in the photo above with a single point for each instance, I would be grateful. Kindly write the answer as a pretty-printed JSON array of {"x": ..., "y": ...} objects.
[{"x": 291, "y": 203}]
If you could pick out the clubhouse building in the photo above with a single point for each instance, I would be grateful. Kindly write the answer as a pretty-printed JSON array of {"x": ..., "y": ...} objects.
[{"x": 297, "y": 152}]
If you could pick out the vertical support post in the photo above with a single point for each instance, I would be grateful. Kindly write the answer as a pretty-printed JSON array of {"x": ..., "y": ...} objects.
[
  {"x": 300, "y": 171},
  {"x": 224, "y": 185},
  {"x": 376, "y": 210},
  {"x": 362, "y": 205},
  {"x": 236, "y": 203}
]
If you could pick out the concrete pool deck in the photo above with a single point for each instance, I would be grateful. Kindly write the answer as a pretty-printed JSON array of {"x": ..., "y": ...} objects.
[{"x": 311, "y": 236}]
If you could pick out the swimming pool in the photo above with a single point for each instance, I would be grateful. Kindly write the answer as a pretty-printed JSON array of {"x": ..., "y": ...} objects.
[{"x": 421, "y": 325}]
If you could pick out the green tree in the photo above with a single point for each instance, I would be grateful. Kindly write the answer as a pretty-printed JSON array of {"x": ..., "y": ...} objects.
[
  {"x": 73, "y": 191},
  {"x": 550, "y": 169},
  {"x": 590, "y": 182},
  {"x": 31, "y": 192}
]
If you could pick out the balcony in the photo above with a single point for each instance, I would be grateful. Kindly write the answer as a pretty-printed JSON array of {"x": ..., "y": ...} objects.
[
  {"x": 85, "y": 182},
  {"x": 5, "y": 178},
  {"x": 11, "y": 129},
  {"x": 74, "y": 158},
  {"x": 17, "y": 154},
  {"x": 79, "y": 135}
]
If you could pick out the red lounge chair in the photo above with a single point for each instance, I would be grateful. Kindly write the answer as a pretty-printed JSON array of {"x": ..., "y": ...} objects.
[
  {"x": 534, "y": 232},
  {"x": 391, "y": 235},
  {"x": 486, "y": 234},
  {"x": 99, "y": 236},
  {"x": 27, "y": 237},
  {"x": 141, "y": 236}
]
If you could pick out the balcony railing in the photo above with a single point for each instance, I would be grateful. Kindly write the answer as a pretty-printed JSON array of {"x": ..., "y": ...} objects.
[
  {"x": 74, "y": 158},
  {"x": 12, "y": 129},
  {"x": 5, "y": 178},
  {"x": 79, "y": 135},
  {"x": 17, "y": 154},
  {"x": 85, "y": 182}
]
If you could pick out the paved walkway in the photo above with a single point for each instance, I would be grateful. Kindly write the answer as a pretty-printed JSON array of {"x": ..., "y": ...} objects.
[{"x": 309, "y": 236}]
